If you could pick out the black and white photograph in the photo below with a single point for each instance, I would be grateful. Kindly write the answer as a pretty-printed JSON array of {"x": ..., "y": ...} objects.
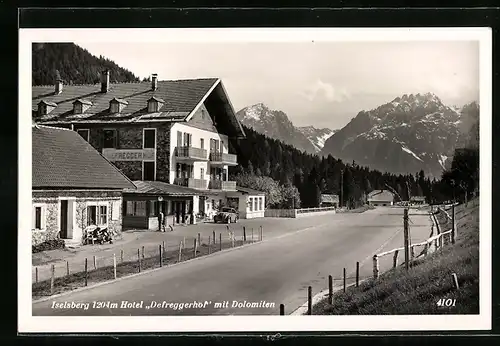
[{"x": 188, "y": 176}]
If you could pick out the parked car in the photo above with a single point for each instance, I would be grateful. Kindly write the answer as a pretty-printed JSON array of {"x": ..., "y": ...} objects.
[{"x": 226, "y": 215}]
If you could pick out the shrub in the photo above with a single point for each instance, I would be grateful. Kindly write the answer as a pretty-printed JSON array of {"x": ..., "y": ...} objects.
[{"x": 48, "y": 245}]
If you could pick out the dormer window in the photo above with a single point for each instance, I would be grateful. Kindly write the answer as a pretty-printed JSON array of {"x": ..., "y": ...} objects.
[
  {"x": 155, "y": 104},
  {"x": 117, "y": 105},
  {"x": 45, "y": 107},
  {"x": 81, "y": 105}
]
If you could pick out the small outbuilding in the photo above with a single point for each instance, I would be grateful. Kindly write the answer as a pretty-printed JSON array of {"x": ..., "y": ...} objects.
[
  {"x": 381, "y": 198},
  {"x": 248, "y": 202},
  {"x": 329, "y": 200}
]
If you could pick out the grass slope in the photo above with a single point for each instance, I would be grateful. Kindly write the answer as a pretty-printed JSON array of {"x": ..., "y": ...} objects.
[{"x": 430, "y": 279}]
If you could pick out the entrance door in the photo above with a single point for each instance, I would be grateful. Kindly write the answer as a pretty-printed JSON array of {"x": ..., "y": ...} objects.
[
  {"x": 201, "y": 205},
  {"x": 64, "y": 219}
]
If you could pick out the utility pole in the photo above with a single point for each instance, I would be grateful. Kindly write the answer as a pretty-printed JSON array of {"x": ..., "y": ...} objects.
[
  {"x": 341, "y": 187},
  {"x": 406, "y": 239}
]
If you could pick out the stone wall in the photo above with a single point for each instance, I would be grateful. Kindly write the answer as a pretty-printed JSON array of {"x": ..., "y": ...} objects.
[
  {"x": 163, "y": 153},
  {"x": 50, "y": 201}
]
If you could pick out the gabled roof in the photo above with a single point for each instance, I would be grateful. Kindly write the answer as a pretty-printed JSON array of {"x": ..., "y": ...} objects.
[
  {"x": 61, "y": 158},
  {"x": 162, "y": 188},
  {"x": 381, "y": 195},
  {"x": 122, "y": 101},
  {"x": 86, "y": 102},
  {"x": 181, "y": 99},
  {"x": 48, "y": 103},
  {"x": 154, "y": 98},
  {"x": 249, "y": 191}
]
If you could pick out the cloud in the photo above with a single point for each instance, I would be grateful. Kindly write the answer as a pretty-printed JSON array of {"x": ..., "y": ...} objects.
[{"x": 327, "y": 91}]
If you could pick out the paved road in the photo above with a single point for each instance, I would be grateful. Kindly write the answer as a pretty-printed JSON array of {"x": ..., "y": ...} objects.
[{"x": 275, "y": 271}]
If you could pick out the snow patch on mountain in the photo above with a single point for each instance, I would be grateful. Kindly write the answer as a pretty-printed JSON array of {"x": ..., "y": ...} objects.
[
  {"x": 411, "y": 153},
  {"x": 442, "y": 160}
]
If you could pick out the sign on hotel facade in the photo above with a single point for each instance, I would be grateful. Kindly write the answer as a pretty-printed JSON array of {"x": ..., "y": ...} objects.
[{"x": 129, "y": 154}]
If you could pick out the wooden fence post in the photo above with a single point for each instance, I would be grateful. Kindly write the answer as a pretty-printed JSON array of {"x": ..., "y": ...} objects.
[
  {"x": 455, "y": 281},
  {"x": 395, "y": 259},
  {"x": 36, "y": 274},
  {"x": 406, "y": 241},
  {"x": 357, "y": 274},
  {"x": 232, "y": 238},
  {"x": 209, "y": 246},
  {"x": 453, "y": 225},
  {"x": 344, "y": 280},
  {"x": 143, "y": 252},
  {"x": 309, "y": 300},
  {"x": 244, "y": 234},
  {"x": 86, "y": 272},
  {"x": 161, "y": 255},
  {"x": 121, "y": 255},
  {"x": 282, "y": 309},
  {"x": 199, "y": 239},
  {"x": 194, "y": 247},
  {"x": 67, "y": 268},
  {"x": 252, "y": 234},
  {"x": 163, "y": 246},
  {"x": 180, "y": 251},
  {"x": 261, "y": 233},
  {"x": 95, "y": 262},
  {"x": 375, "y": 267},
  {"x": 220, "y": 241},
  {"x": 52, "y": 277},
  {"x": 330, "y": 289},
  {"x": 214, "y": 239},
  {"x": 139, "y": 259},
  {"x": 114, "y": 265}
]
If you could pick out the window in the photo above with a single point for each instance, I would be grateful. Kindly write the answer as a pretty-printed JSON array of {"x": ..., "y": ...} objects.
[
  {"x": 78, "y": 108},
  {"x": 97, "y": 215},
  {"x": 260, "y": 203},
  {"x": 153, "y": 208},
  {"x": 187, "y": 139},
  {"x": 202, "y": 143},
  {"x": 213, "y": 203},
  {"x": 109, "y": 139},
  {"x": 221, "y": 146},
  {"x": 85, "y": 133},
  {"x": 149, "y": 138},
  {"x": 203, "y": 114},
  {"x": 148, "y": 170},
  {"x": 179, "y": 138},
  {"x": 250, "y": 203},
  {"x": 38, "y": 222},
  {"x": 255, "y": 204},
  {"x": 153, "y": 106},
  {"x": 202, "y": 173},
  {"x": 136, "y": 208}
]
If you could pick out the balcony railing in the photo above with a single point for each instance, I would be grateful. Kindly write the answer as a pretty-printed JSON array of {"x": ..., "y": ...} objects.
[
  {"x": 223, "y": 185},
  {"x": 191, "y": 153},
  {"x": 223, "y": 158},
  {"x": 191, "y": 182}
]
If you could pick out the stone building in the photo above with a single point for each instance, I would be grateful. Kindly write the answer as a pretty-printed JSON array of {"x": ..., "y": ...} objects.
[
  {"x": 73, "y": 187},
  {"x": 179, "y": 132}
]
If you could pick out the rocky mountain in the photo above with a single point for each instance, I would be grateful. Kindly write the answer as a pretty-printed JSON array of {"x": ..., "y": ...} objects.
[
  {"x": 316, "y": 136},
  {"x": 409, "y": 133},
  {"x": 274, "y": 124}
]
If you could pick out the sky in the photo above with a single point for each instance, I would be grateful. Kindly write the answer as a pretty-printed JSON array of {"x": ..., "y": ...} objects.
[{"x": 324, "y": 84}]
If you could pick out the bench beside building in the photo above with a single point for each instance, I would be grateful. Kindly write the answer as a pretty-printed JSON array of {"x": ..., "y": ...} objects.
[
  {"x": 179, "y": 132},
  {"x": 73, "y": 187}
]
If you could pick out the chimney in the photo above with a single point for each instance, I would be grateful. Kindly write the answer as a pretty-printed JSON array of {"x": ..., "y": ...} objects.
[
  {"x": 59, "y": 83},
  {"x": 154, "y": 81},
  {"x": 58, "y": 86},
  {"x": 105, "y": 81}
]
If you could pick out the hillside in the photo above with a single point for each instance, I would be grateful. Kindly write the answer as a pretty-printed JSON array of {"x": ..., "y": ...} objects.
[
  {"x": 274, "y": 124},
  {"x": 74, "y": 64},
  {"x": 409, "y": 133}
]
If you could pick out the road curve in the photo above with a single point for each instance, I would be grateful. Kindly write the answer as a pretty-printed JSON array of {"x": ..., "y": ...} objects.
[{"x": 263, "y": 275}]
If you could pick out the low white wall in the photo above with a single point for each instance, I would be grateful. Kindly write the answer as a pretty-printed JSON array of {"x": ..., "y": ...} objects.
[
  {"x": 294, "y": 213},
  {"x": 280, "y": 213}
]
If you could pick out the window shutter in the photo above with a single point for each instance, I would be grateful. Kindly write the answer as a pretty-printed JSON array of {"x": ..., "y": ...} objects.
[{"x": 114, "y": 210}]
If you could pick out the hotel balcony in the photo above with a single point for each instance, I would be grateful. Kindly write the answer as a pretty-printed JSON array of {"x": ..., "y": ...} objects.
[
  {"x": 223, "y": 159},
  {"x": 191, "y": 182},
  {"x": 190, "y": 154},
  {"x": 222, "y": 185}
]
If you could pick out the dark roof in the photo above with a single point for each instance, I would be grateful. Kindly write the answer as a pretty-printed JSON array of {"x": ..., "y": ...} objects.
[
  {"x": 162, "y": 188},
  {"x": 154, "y": 98},
  {"x": 182, "y": 97},
  {"x": 249, "y": 191},
  {"x": 179, "y": 99},
  {"x": 61, "y": 158},
  {"x": 125, "y": 102},
  {"x": 48, "y": 103},
  {"x": 417, "y": 198},
  {"x": 87, "y": 102}
]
